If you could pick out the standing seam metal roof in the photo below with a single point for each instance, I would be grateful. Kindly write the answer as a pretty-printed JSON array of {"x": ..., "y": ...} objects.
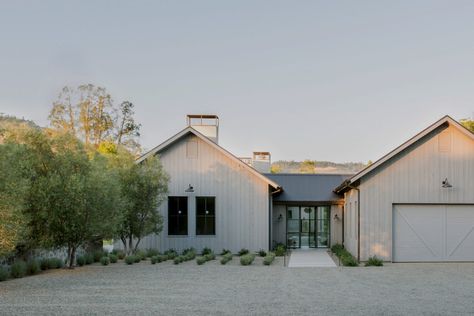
[{"x": 307, "y": 187}]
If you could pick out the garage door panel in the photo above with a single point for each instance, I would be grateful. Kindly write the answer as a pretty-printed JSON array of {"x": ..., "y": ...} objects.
[
  {"x": 426, "y": 233},
  {"x": 460, "y": 233},
  {"x": 416, "y": 234}
]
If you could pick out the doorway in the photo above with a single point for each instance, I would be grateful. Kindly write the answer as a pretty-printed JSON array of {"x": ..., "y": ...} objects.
[{"x": 308, "y": 226}]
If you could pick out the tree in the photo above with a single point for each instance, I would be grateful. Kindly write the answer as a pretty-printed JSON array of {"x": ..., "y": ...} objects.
[
  {"x": 144, "y": 187},
  {"x": 275, "y": 168},
  {"x": 308, "y": 166},
  {"x": 72, "y": 198},
  {"x": 88, "y": 113},
  {"x": 469, "y": 124}
]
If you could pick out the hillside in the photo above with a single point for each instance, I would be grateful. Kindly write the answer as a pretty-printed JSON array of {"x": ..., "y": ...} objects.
[{"x": 311, "y": 166}]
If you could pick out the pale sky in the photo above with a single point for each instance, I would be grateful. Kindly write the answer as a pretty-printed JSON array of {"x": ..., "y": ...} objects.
[{"x": 324, "y": 80}]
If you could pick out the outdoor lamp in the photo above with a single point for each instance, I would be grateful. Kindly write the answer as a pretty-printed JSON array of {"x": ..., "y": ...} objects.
[{"x": 446, "y": 184}]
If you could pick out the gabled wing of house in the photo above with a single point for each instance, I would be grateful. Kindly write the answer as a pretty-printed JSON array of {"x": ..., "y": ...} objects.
[{"x": 189, "y": 130}]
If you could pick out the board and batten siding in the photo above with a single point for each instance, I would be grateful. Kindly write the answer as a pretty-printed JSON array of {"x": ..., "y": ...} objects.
[
  {"x": 414, "y": 177},
  {"x": 242, "y": 199}
]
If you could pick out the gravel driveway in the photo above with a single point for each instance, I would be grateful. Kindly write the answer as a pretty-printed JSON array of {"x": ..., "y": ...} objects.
[{"x": 143, "y": 289}]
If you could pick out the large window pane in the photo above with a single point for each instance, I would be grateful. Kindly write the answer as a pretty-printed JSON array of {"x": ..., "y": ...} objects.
[
  {"x": 177, "y": 215},
  {"x": 293, "y": 240},
  {"x": 206, "y": 215}
]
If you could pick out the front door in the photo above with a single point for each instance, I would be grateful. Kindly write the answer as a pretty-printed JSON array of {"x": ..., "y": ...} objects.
[{"x": 308, "y": 226}]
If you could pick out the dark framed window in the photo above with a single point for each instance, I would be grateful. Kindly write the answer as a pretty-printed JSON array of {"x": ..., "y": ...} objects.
[
  {"x": 205, "y": 215},
  {"x": 177, "y": 215}
]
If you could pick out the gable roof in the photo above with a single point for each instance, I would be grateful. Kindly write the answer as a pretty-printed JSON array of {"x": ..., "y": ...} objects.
[
  {"x": 444, "y": 122},
  {"x": 189, "y": 130},
  {"x": 308, "y": 187}
]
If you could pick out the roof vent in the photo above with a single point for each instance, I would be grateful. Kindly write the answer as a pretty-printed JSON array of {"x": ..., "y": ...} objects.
[{"x": 206, "y": 124}]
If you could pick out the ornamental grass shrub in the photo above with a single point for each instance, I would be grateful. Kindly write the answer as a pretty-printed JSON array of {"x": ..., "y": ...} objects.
[
  {"x": 105, "y": 261},
  {"x": 89, "y": 258},
  {"x": 269, "y": 258},
  {"x": 150, "y": 252},
  {"x": 18, "y": 269},
  {"x": 247, "y": 259},
  {"x": 130, "y": 260},
  {"x": 44, "y": 264},
  {"x": 4, "y": 273},
  {"x": 262, "y": 253},
  {"x": 226, "y": 258},
  {"x": 55, "y": 263},
  {"x": 225, "y": 251},
  {"x": 243, "y": 251},
  {"x": 201, "y": 260},
  {"x": 33, "y": 267},
  {"x": 280, "y": 250},
  {"x": 113, "y": 258},
  {"x": 374, "y": 262},
  {"x": 206, "y": 251},
  {"x": 80, "y": 261}
]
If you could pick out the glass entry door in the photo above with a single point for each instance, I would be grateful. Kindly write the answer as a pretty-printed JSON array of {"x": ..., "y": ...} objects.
[{"x": 307, "y": 226}]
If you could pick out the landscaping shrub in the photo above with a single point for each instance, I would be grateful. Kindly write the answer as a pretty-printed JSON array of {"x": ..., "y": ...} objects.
[
  {"x": 188, "y": 250},
  {"x": 269, "y": 258},
  {"x": 137, "y": 258},
  {"x": 33, "y": 267},
  {"x": 206, "y": 251},
  {"x": 161, "y": 258},
  {"x": 4, "y": 273},
  {"x": 154, "y": 259},
  {"x": 121, "y": 254},
  {"x": 55, "y": 263},
  {"x": 141, "y": 254},
  {"x": 337, "y": 249},
  {"x": 113, "y": 258},
  {"x": 44, "y": 264},
  {"x": 189, "y": 254},
  {"x": 201, "y": 260},
  {"x": 80, "y": 260},
  {"x": 89, "y": 258},
  {"x": 97, "y": 255},
  {"x": 243, "y": 251},
  {"x": 280, "y": 250},
  {"x": 150, "y": 252},
  {"x": 262, "y": 253},
  {"x": 226, "y": 258},
  {"x": 171, "y": 254},
  {"x": 225, "y": 251},
  {"x": 374, "y": 262},
  {"x": 130, "y": 259},
  {"x": 178, "y": 259},
  {"x": 210, "y": 256},
  {"x": 247, "y": 259},
  {"x": 18, "y": 269},
  {"x": 105, "y": 261}
]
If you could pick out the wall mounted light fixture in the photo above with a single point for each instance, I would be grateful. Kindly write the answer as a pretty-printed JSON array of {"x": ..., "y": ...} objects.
[
  {"x": 190, "y": 189},
  {"x": 280, "y": 217},
  {"x": 446, "y": 184}
]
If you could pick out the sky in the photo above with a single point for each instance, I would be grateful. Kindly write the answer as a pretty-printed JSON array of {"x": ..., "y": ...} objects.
[{"x": 323, "y": 80}]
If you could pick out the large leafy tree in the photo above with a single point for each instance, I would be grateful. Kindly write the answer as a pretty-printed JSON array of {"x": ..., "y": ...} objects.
[
  {"x": 469, "y": 124},
  {"x": 89, "y": 113},
  {"x": 144, "y": 186}
]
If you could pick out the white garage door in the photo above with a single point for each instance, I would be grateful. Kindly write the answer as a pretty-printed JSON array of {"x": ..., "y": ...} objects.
[{"x": 433, "y": 233}]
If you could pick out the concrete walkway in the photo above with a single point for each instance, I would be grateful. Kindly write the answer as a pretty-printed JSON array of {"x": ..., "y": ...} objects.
[{"x": 300, "y": 258}]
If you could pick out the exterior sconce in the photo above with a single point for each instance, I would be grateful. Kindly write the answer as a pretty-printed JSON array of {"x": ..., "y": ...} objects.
[
  {"x": 190, "y": 189},
  {"x": 280, "y": 217},
  {"x": 336, "y": 217},
  {"x": 446, "y": 184}
]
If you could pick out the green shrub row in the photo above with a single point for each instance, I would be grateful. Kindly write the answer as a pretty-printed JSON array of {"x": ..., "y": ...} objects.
[
  {"x": 4, "y": 273},
  {"x": 243, "y": 251},
  {"x": 188, "y": 255},
  {"x": 374, "y": 262},
  {"x": 279, "y": 250},
  {"x": 262, "y": 253},
  {"x": 205, "y": 258},
  {"x": 225, "y": 251},
  {"x": 105, "y": 261},
  {"x": 345, "y": 256},
  {"x": 247, "y": 259},
  {"x": 226, "y": 257},
  {"x": 269, "y": 258}
]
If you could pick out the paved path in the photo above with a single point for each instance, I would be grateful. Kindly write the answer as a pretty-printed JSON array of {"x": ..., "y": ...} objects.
[{"x": 308, "y": 258}]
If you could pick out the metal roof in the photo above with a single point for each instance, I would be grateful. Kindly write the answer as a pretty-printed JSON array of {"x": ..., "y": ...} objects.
[{"x": 307, "y": 187}]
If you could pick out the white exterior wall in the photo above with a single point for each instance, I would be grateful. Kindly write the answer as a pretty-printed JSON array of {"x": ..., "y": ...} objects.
[
  {"x": 242, "y": 200},
  {"x": 279, "y": 225},
  {"x": 414, "y": 177},
  {"x": 350, "y": 221},
  {"x": 336, "y": 225}
]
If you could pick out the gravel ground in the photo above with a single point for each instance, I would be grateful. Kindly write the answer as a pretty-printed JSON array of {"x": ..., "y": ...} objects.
[{"x": 144, "y": 289}]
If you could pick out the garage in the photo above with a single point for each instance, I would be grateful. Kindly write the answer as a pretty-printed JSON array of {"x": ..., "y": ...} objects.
[{"x": 433, "y": 233}]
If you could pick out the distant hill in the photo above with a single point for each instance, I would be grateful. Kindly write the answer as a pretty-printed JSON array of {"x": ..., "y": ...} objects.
[
  {"x": 7, "y": 120},
  {"x": 312, "y": 166}
]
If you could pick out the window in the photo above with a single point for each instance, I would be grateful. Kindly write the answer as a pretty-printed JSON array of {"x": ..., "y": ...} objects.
[
  {"x": 205, "y": 215},
  {"x": 177, "y": 215}
]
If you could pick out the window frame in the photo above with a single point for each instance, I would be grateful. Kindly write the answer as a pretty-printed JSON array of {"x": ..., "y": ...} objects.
[
  {"x": 178, "y": 216},
  {"x": 206, "y": 217}
]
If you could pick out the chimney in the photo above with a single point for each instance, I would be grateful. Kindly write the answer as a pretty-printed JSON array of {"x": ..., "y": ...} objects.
[
  {"x": 206, "y": 124},
  {"x": 262, "y": 161}
]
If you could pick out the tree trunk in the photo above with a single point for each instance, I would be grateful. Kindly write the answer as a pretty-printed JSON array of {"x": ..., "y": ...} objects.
[
  {"x": 130, "y": 244},
  {"x": 136, "y": 245},
  {"x": 72, "y": 257},
  {"x": 124, "y": 241}
]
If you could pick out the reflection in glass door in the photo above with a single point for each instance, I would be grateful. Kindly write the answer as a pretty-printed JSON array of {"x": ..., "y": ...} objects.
[{"x": 307, "y": 226}]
